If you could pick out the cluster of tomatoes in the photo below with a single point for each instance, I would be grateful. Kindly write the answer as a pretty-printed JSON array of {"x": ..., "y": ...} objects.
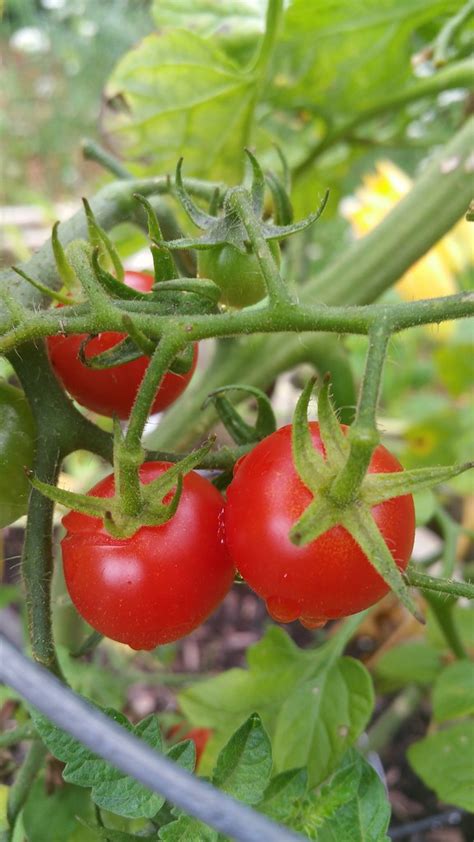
[{"x": 162, "y": 582}]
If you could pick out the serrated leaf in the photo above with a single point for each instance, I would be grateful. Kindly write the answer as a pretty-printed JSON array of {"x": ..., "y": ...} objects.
[
  {"x": 380, "y": 36},
  {"x": 282, "y": 792},
  {"x": 279, "y": 676},
  {"x": 111, "y": 789},
  {"x": 453, "y": 692},
  {"x": 54, "y": 816},
  {"x": 184, "y": 753},
  {"x": 364, "y": 815},
  {"x": 176, "y": 86},
  {"x": 444, "y": 762},
  {"x": 187, "y": 829},
  {"x": 244, "y": 765},
  {"x": 323, "y": 718}
]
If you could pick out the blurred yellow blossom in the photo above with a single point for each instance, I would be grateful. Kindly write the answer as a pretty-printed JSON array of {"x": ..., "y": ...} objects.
[{"x": 435, "y": 273}]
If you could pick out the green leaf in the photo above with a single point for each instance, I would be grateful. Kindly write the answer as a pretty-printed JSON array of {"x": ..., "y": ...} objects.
[
  {"x": 182, "y": 94},
  {"x": 54, "y": 816},
  {"x": 281, "y": 794},
  {"x": 208, "y": 17},
  {"x": 365, "y": 815},
  {"x": 323, "y": 717},
  {"x": 111, "y": 789},
  {"x": 356, "y": 53},
  {"x": 409, "y": 663},
  {"x": 187, "y": 829},
  {"x": 89, "y": 679},
  {"x": 333, "y": 697},
  {"x": 244, "y": 765},
  {"x": 444, "y": 762},
  {"x": 453, "y": 693}
]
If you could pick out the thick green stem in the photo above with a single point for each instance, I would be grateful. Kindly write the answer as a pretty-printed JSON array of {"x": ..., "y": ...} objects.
[
  {"x": 272, "y": 23},
  {"x": 363, "y": 435},
  {"x": 167, "y": 349},
  {"x": 130, "y": 453},
  {"x": 20, "y": 790},
  {"x": 437, "y": 200},
  {"x": 285, "y": 318},
  {"x": 60, "y": 430},
  {"x": 92, "y": 151},
  {"x": 456, "y": 76},
  {"x": 448, "y": 587}
]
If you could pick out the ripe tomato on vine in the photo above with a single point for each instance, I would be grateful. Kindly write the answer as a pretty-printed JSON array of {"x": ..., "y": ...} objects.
[
  {"x": 331, "y": 576},
  {"x": 163, "y": 581},
  {"x": 111, "y": 391}
]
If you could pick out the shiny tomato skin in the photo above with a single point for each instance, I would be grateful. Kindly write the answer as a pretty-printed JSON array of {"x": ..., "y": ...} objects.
[
  {"x": 161, "y": 583},
  {"x": 329, "y": 577},
  {"x": 111, "y": 391}
]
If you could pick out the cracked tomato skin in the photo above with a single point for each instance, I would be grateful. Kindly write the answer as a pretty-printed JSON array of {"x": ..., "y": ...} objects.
[
  {"x": 161, "y": 583},
  {"x": 111, "y": 391},
  {"x": 328, "y": 578}
]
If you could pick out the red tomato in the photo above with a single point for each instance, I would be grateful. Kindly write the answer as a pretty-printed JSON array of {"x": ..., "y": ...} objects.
[
  {"x": 111, "y": 391},
  {"x": 329, "y": 577},
  {"x": 161, "y": 583},
  {"x": 199, "y": 736}
]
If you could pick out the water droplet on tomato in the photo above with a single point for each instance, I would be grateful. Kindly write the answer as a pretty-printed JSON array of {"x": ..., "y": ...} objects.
[{"x": 283, "y": 610}]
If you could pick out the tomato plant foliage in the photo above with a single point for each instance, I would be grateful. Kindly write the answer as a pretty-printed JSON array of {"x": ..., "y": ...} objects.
[{"x": 312, "y": 520}]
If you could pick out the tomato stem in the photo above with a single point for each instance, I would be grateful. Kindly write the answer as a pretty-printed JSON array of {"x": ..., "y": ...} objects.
[
  {"x": 278, "y": 293},
  {"x": 363, "y": 435}
]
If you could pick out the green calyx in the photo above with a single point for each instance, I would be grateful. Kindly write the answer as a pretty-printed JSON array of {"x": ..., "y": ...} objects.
[
  {"x": 230, "y": 228},
  {"x": 136, "y": 505},
  {"x": 320, "y": 475}
]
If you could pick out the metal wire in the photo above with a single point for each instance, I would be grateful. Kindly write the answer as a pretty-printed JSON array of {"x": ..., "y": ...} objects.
[{"x": 126, "y": 752}]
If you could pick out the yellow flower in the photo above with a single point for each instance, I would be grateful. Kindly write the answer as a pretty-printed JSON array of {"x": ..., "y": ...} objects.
[{"x": 435, "y": 273}]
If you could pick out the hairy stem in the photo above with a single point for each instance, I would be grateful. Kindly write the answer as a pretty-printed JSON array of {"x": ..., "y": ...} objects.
[{"x": 20, "y": 790}]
